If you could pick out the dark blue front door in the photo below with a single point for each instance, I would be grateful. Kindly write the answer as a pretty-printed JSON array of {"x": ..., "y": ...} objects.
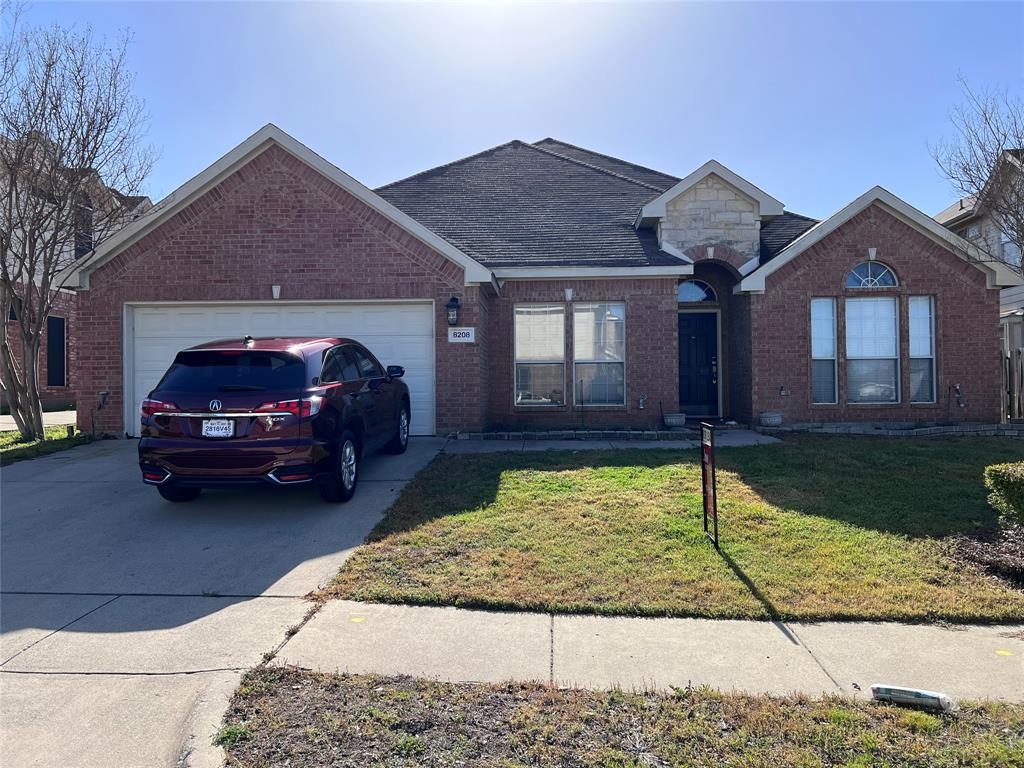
[{"x": 698, "y": 363}]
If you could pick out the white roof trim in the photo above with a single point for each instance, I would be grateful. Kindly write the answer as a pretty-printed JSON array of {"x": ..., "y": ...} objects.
[
  {"x": 77, "y": 274},
  {"x": 769, "y": 205},
  {"x": 545, "y": 273},
  {"x": 998, "y": 274},
  {"x": 749, "y": 266},
  {"x": 671, "y": 250}
]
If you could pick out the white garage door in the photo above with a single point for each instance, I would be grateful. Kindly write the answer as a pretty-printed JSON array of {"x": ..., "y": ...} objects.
[{"x": 398, "y": 333}]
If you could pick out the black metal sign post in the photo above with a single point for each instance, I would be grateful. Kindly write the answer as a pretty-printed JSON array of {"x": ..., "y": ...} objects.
[{"x": 708, "y": 482}]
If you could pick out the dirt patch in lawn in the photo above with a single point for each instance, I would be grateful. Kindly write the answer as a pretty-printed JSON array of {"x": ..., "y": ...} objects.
[
  {"x": 1001, "y": 553},
  {"x": 283, "y": 717}
]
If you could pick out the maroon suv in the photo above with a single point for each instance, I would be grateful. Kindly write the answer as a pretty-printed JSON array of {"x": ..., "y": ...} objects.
[{"x": 278, "y": 411}]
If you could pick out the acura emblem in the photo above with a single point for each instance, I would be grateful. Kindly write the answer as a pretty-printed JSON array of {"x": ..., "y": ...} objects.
[{"x": 215, "y": 405}]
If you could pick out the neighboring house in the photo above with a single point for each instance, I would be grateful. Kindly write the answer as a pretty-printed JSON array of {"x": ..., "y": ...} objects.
[
  {"x": 57, "y": 356},
  {"x": 975, "y": 223},
  {"x": 591, "y": 292}
]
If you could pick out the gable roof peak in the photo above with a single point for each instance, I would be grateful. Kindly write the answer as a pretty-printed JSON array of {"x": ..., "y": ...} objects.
[
  {"x": 997, "y": 273},
  {"x": 655, "y": 209},
  {"x": 76, "y": 275}
]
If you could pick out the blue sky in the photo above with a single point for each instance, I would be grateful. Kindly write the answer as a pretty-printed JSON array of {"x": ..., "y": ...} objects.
[{"x": 814, "y": 103}]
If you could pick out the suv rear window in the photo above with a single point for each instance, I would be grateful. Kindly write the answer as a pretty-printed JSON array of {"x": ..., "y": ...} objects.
[{"x": 231, "y": 371}]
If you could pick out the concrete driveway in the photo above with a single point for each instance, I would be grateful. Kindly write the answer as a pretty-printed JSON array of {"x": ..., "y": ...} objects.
[{"x": 126, "y": 621}]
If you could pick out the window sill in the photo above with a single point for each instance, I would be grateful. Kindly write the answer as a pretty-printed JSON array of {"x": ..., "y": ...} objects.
[{"x": 616, "y": 407}]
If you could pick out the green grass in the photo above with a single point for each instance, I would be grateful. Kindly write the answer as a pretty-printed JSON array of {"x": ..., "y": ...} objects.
[
  {"x": 13, "y": 448},
  {"x": 815, "y": 528},
  {"x": 306, "y": 719}
]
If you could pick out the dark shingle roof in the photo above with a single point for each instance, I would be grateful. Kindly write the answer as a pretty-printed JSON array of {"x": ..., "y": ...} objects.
[
  {"x": 518, "y": 205},
  {"x": 647, "y": 175},
  {"x": 779, "y": 232},
  {"x": 551, "y": 204}
]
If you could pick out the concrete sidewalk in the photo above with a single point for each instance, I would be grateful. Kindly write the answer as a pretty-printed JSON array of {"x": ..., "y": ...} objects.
[
  {"x": 725, "y": 438},
  {"x": 126, "y": 621},
  {"x": 50, "y": 419},
  {"x": 599, "y": 652}
]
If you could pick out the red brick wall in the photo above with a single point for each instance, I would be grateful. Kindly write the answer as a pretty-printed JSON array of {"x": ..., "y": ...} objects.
[
  {"x": 966, "y": 332},
  {"x": 64, "y": 306},
  {"x": 651, "y": 354},
  {"x": 276, "y": 222},
  {"x": 739, "y": 359}
]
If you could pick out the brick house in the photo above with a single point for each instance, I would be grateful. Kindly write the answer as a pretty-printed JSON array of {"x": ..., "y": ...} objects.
[
  {"x": 590, "y": 291},
  {"x": 57, "y": 353}
]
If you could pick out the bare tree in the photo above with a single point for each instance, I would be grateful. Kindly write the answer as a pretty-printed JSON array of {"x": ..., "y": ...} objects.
[
  {"x": 985, "y": 160},
  {"x": 72, "y": 157}
]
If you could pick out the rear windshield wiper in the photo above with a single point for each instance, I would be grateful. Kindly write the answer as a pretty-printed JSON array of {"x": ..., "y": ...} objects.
[{"x": 239, "y": 388}]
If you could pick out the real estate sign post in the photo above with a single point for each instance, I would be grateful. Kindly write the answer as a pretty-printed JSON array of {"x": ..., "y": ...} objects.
[{"x": 707, "y": 473}]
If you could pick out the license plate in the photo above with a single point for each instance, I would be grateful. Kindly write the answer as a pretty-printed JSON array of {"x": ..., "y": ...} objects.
[{"x": 218, "y": 428}]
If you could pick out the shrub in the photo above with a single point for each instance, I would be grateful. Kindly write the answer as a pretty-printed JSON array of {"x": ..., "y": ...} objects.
[{"x": 1005, "y": 483}]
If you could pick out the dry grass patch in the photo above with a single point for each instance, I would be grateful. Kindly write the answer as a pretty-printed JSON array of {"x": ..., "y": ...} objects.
[
  {"x": 816, "y": 528},
  {"x": 286, "y": 717}
]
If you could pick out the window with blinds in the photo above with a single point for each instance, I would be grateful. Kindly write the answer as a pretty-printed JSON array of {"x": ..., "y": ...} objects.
[
  {"x": 872, "y": 350},
  {"x": 540, "y": 354},
  {"x": 922, "y": 349},
  {"x": 823, "y": 352}
]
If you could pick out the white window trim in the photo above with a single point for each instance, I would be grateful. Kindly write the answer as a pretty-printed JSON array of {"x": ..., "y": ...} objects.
[
  {"x": 847, "y": 357},
  {"x": 625, "y": 384},
  {"x": 835, "y": 350},
  {"x": 935, "y": 370},
  {"x": 516, "y": 363}
]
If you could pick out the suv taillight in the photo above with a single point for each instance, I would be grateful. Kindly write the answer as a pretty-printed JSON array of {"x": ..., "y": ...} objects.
[
  {"x": 309, "y": 406},
  {"x": 149, "y": 407}
]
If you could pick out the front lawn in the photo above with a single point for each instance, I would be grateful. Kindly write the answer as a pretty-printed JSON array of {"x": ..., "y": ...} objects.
[
  {"x": 13, "y": 448},
  {"x": 305, "y": 720},
  {"x": 816, "y": 528}
]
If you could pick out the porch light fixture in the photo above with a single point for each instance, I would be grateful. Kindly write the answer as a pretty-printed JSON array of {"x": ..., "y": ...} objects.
[{"x": 453, "y": 310}]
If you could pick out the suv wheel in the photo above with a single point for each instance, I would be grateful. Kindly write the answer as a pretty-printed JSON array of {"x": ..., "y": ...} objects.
[
  {"x": 400, "y": 441},
  {"x": 340, "y": 485},
  {"x": 178, "y": 493}
]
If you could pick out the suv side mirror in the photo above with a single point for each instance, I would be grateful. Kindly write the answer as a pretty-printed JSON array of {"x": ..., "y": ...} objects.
[{"x": 395, "y": 371}]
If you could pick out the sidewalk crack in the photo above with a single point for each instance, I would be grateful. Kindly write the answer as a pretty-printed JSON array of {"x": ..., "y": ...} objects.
[
  {"x": 551, "y": 652},
  {"x": 817, "y": 660},
  {"x": 107, "y": 673},
  {"x": 54, "y": 632}
]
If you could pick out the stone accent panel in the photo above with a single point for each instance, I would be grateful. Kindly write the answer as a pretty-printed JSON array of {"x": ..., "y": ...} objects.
[{"x": 714, "y": 213}]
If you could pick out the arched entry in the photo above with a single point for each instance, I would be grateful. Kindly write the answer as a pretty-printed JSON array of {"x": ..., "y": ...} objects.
[{"x": 703, "y": 312}]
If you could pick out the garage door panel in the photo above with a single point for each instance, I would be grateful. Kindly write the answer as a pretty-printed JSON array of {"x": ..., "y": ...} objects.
[{"x": 398, "y": 334}]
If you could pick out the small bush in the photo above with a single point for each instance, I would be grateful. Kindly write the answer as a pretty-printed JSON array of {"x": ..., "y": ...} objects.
[
  {"x": 230, "y": 735},
  {"x": 1005, "y": 483}
]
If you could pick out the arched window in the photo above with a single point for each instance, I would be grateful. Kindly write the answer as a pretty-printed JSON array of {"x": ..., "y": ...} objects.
[
  {"x": 695, "y": 290},
  {"x": 871, "y": 274}
]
